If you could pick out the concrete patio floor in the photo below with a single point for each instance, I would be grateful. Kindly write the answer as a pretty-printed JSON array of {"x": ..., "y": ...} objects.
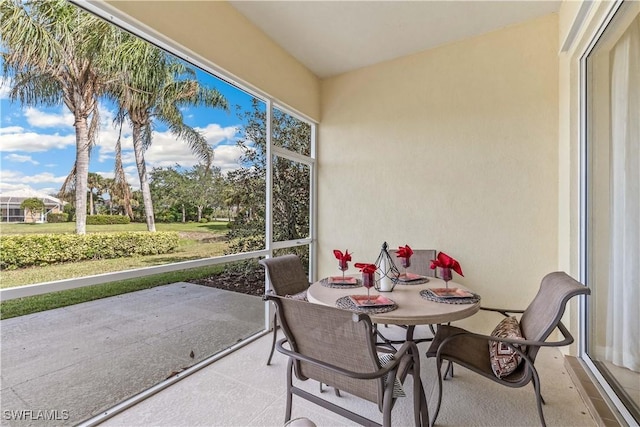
[
  {"x": 83, "y": 359},
  {"x": 240, "y": 390},
  {"x": 89, "y": 357}
]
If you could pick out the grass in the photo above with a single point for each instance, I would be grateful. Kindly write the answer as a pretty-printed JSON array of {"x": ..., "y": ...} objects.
[
  {"x": 35, "y": 304},
  {"x": 195, "y": 244},
  {"x": 70, "y": 227}
]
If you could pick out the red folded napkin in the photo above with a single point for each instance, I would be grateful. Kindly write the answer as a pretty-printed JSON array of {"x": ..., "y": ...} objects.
[
  {"x": 366, "y": 268},
  {"x": 445, "y": 261},
  {"x": 343, "y": 258},
  {"x": 404, "y": 252}
]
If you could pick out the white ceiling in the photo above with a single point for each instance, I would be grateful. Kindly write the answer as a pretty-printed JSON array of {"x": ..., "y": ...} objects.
[{"x": 332, "y": 37}]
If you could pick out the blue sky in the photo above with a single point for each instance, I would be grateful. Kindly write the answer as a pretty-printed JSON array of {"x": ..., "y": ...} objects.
[{"x": 37, "y": 144}]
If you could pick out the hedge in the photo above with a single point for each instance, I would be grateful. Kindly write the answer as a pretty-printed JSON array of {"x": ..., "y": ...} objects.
[
  {"x": 57, "y": 217},
  {"x": 107, "y": 219},
  {"x": 27, "y": 250}
]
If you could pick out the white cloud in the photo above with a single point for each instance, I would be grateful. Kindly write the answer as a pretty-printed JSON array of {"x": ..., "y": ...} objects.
[
  {"x": 20, "y": 159},
  {"x": 216, "y": 134},
  {"x": 227, "y": 157},
  {"x": 11, "y": 129},
  {"x": 13, "y": 180},
  {"x": 5, "y": 86},
  {"x": 32, "y": 142},
  {"x": 167, "y": 151},
  {"x": 108, "y": 175},
  {"x": 38, "y": 118},
  {"x": 7, "y": 187}
]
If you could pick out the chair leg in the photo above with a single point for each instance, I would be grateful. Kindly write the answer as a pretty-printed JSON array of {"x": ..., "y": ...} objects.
[
  {"x": 275, "y": 334},
  {"x": 287, "y": 413},
  {"x": 437, "y": 411},
  {"x": 420, "y": 408},
  {"x": 336, "y": 391},
  {"x": 449, "y": 371},
  {"x": 539, "y": 399}
]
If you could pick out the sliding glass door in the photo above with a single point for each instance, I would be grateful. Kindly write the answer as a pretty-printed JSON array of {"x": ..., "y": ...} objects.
[{"x": 612, "y": 233}]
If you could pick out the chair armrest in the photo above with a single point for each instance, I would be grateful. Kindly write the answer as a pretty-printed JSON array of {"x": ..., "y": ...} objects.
[
  {"x": 502, "y": 311},
  {"x": 265, "y": 296},
  {"x": 568, "y": 339},
  {"x": 360, "y": 375}
]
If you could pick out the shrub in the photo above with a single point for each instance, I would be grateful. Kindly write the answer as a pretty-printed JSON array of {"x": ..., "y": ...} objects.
[
  {"x": 26, "y": 250},
  {"x": 107, "y": 219},
  {"x": 57, "y": 217}
]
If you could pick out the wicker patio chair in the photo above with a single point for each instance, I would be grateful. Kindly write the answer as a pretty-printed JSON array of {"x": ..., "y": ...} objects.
[
  {"x": 541, "y": 317},
  {"x": 288, "y": 279},
  {"x": 337, "y": 347}
]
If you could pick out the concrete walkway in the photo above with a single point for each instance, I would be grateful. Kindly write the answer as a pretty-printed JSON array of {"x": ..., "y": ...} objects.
[{"x": 71, "y": 363}]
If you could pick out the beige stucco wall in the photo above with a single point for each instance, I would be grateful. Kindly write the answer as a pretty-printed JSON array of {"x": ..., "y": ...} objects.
[
  {"x": 456, "y": 149},
  {"x": 215, "y": 31}
]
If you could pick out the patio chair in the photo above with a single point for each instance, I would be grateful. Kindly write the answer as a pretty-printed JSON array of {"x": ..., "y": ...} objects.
[
  {"x": 337, "y": 347},
  {"x": 420, "y": 261},
  {"x": 288, "y": 279},
  {"x": 541, "y": 317}
]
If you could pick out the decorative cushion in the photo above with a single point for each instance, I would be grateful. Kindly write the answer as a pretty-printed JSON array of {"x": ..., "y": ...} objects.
[
  {"x": 504, "y": 359},
  {"x": 300, "y": 296},
  {"x": 386, "y": 358}
]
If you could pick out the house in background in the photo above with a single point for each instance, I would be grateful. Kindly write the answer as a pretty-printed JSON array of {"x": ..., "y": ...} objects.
[{"x": 12, "y": 212}]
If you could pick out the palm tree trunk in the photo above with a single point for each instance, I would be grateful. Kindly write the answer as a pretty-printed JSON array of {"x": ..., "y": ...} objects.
[
  {"x": 121, "y": 179},
  {"x": 82, "y": 172},
  {"x": 184, "y": 214},
  {"x": 91, "y": 202},
  {"x": 142, "y": 174}
]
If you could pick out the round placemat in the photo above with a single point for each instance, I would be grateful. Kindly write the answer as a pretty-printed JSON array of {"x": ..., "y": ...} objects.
[
  {"x": 427, "y": 294},
  {"x": 414, "y": 282},
  {"x": 325, "y": 282},
  {"x": 347, "y": 304}
]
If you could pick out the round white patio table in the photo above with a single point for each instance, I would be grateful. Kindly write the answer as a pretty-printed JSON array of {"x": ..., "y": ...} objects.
[{"x": 412, "y": 308}]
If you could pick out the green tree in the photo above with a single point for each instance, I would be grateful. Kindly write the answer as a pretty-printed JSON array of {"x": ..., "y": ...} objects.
[
  {"x": 169, "y": 190},
  {"x": 52, "y": 54},
  {"x": 290, "y": 181},
  {"x": 34, "y": 206},
  {"x": 204, "y": 187},
  {"x": 95, "y": 182},
  {"x": 153, "y": 88}
]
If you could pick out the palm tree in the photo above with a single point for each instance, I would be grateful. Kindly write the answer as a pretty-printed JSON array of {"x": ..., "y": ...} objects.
[
  {"x": 155, "y": 85},
  {"x": 49, "y": 52},
  {"x": 122, "y": 188},
  {"x": 94, "y": 182}
]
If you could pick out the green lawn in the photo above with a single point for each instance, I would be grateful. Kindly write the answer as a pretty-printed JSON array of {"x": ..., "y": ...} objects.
[
  {"x": 199, "y": 240},
  {"x": 70, "y": 227}
]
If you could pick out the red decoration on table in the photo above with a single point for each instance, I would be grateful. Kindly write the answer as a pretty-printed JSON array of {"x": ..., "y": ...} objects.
[
  {"x": 405, "y": 253},
  {"x": 445, "y": 261},
  {"x": 366, "y": 268},
  {"x": 368, "y": 278},
  {"x": 343, "y": 258}
]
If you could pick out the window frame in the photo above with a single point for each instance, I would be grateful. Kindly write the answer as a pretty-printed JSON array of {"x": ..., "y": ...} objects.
[
  {"x": 585, "y": 209},
  {"x": 105, "y": 12}
]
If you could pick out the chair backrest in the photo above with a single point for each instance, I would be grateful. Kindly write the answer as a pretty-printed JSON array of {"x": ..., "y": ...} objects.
[
  {"x": 333, "y": 336},
  {"x": 286, "y": 274},
  {"x": 543, "y": 314},
  {"x": 420, "y": 262}
]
